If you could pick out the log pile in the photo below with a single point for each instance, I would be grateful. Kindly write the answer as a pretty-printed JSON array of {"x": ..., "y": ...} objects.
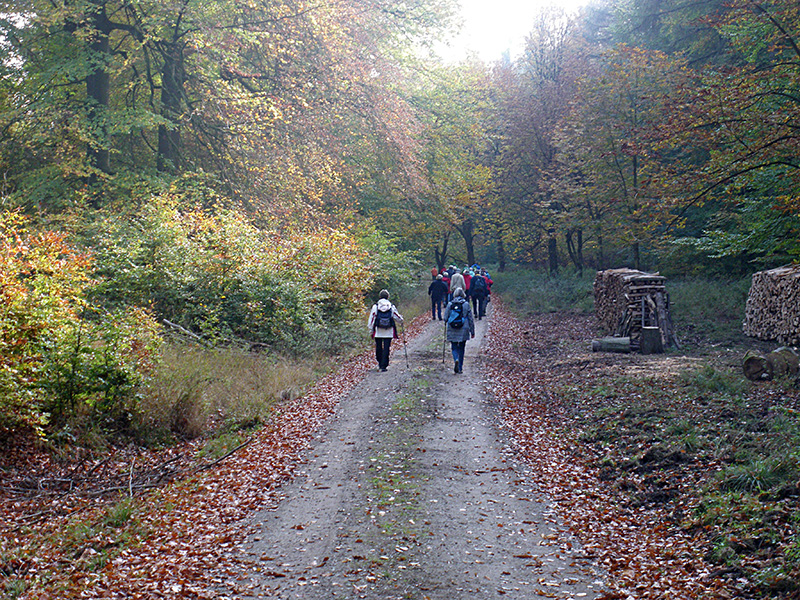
[
  {"x": 773, "y": 306},
  {"x": 626, "y": 301}
]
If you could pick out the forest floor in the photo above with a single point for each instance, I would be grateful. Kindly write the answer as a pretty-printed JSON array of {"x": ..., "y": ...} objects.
[{"x": 413, "y": 483}]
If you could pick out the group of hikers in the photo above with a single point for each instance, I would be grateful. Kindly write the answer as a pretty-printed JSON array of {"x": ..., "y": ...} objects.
[{"x": 452, "y": 288}]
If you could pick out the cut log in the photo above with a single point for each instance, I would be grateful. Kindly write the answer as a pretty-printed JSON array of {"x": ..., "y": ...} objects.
[
  {"x": 754, "y": 366},
  {"x": 612, "y": 344},
  {"x": 783, "y": 362}
]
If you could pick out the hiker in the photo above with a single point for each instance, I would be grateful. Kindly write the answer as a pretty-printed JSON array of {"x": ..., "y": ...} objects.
[
  {"x": 489, "y": 283},
  {"x": 479, "y": 290},
  {"x": 467, "y": 280},
  {"x": 446, "y": 282},
  {"x": 457, "y": 281},
  {"x": 460, "y": 327},
  {"x": 434, "y": 273},
  {"x": 382, "y": 323},
  {"x": 437, "y": 290}
]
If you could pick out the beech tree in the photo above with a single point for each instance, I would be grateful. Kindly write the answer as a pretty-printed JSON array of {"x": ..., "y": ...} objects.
[
  {"x": 746, "y": 118},
  {"x": 611, "y": 146},
  {"x": 271, "y": 96},
  {"x": 533, "y": 96},
  {"x": 454, "y": 109}
]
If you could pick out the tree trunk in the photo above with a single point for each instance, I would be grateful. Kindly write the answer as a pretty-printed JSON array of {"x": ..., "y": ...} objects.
[
  {"x": 467, "y": 231},
  {"x": 172, "y": 82},
  {"x": 441, "y": 257},
  {"x": 601, "y": 255},
  {"x": 575, "y": 248},
  {"x": 552, "y": 253},
  {"x": 501, "y": 254},
  {"x": 98, "y": 92}
]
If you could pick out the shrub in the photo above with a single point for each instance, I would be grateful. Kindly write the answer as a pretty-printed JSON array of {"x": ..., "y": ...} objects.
[
  {"x": 97, "y": 365},
  {"x": 215, "y": 273},
  {"x": 54, "y": 358}
]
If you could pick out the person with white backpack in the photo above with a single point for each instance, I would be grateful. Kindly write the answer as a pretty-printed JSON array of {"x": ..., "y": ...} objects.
[{"x": 382, "y": 322}]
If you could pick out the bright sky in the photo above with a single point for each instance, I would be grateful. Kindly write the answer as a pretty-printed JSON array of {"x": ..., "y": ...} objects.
[{"x": 494, "y": 26}]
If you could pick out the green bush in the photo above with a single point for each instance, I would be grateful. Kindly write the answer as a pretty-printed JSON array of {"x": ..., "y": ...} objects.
[
  {"x": 214, "y": 273},
  {"x": 54, "y": 359},
  {"x": 98, "y": 365}
]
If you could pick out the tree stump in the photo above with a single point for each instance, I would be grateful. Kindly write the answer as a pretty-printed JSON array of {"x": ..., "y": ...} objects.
[{"x": 651, "y": 342}]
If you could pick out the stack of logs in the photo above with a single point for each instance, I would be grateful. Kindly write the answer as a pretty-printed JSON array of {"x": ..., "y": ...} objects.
[
  {"x": 773, "y": 306},
  {"x": 628, "y": 302}
]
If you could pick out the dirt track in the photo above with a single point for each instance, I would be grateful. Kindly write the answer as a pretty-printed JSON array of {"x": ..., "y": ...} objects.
[{"x": 409, "y": 492}]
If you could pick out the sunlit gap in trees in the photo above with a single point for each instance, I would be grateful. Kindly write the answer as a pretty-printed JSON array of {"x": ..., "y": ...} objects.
[
  {"x": 16, "y": 20},
  {"x": 496, "y": 30}
]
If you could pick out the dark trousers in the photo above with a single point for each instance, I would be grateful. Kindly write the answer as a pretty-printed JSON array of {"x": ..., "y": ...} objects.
[
  {"x": 436, "y": 306},
  {"x": 458, "y": 349},
  {"x": 382, "y": 346},
  {"x": 479, "y": 306}
]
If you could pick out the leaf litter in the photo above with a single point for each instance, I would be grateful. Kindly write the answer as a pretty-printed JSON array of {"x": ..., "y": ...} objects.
[{"x": 185, "y": 539}]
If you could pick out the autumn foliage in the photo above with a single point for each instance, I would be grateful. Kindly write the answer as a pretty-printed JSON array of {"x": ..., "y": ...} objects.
[{"x": 60, "y": 354}]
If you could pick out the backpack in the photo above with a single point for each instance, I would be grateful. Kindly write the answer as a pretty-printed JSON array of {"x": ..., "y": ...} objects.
[
  {"x": 384, "y": 319},
  {"x": 455, "y": 318},
  {"x": 478, "y": 286}
]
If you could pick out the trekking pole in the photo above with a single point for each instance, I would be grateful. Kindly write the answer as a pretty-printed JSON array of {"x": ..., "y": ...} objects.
[
  {"x": 403, "y": 331},
  {"x": 444, "y": 341}
]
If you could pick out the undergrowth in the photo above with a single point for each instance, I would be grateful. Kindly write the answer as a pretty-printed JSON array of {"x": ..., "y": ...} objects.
[
  {"x": 707, "y": 450},
  {"x": 708, "y": 311},
  {"x": 529, "y": 292}
]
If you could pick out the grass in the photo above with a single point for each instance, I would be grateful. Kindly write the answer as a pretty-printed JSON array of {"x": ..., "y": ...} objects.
[
  {"x": 708, "y": 311},
  {"x": 13, "y": 589},
  {"x": 197, "y": 390},
  {"x": 529, "y": 292},
  {"x": 709, "y": 379},
  {"x": 118, "y": 515}
]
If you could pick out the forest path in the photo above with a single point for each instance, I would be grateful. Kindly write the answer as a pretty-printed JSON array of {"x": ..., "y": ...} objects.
[{"x": 410, "y": 492}]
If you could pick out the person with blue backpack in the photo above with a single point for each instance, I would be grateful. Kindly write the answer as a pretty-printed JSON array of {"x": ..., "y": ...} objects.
[
  {"x": 383, "y": 319},
  {"x": 460, "y": 327}
]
